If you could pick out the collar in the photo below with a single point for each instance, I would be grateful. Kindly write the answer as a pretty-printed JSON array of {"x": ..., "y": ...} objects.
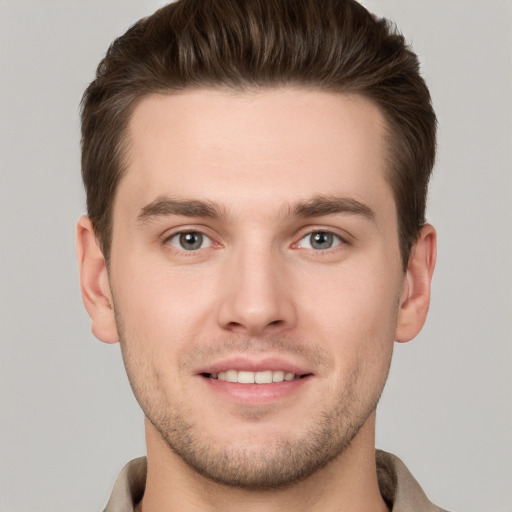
[{"x": 398, "y": 487}]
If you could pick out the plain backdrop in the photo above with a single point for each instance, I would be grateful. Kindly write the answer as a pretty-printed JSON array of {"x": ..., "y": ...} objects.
[{"x": 68, "y": 421}]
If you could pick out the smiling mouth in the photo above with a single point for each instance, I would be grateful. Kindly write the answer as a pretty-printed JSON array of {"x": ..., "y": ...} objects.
[{"x": 261, "y": 377}]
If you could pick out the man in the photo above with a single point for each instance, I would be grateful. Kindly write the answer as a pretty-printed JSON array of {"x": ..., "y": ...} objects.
[{"x": 256, "y": 176}]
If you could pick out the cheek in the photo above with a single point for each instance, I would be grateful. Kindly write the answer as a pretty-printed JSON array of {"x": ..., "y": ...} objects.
[
  {"x": 162, "y": 300},
  {"x": 160, "y": 315},
  {"x": 356, "y": 312},
  {"x": 353, "y": 296}
]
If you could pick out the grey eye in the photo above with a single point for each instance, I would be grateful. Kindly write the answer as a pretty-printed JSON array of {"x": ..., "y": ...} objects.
[
  {"x": 320, "y": 240},
  {"x": 190, "y": 241}
]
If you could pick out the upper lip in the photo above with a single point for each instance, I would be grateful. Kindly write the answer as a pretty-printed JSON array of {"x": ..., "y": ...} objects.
[{"x": 245, "y": 363}]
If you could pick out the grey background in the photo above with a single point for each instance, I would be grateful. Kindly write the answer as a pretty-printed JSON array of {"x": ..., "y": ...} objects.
[{"x": 68, "y": 421}]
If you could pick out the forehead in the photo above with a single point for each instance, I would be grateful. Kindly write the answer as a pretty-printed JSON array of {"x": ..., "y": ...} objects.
[{"x": 235, "y": 148}]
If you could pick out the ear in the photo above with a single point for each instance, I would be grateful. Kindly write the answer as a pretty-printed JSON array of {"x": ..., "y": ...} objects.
[
  {"x": 415, "y": 298},
  {"x": 94, "y": 283}
]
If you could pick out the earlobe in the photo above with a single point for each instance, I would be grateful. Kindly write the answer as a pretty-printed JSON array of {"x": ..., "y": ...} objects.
[
  {"x": 94, "y": 283},
  {"x": 415, "y": 298}
]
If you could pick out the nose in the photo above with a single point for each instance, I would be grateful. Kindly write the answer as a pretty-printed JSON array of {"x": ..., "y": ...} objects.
[{"x": 256, "y": 298}]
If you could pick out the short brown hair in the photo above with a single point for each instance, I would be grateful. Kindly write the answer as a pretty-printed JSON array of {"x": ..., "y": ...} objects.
[{"x": 332, "y": 45}]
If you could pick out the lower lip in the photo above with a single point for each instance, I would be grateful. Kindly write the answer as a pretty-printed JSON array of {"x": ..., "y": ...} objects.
[{"x": 256, "y": 394}]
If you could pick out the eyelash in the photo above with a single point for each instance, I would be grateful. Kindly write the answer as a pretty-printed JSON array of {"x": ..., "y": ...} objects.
[
  {"x": 179, "y": 234},
  {"x": 336, "y": 239}
]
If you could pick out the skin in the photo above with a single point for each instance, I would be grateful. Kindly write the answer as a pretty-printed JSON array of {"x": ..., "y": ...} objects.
[{"x": 273, "y": 163}]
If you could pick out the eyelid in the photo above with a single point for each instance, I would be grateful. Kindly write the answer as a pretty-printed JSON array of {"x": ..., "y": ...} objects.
[
  {"x": 169, "y": 234},
  {"x": 343, "y": 237},
  {"x": 205, "y": 238},
  {"x": 338, "y": 240}
]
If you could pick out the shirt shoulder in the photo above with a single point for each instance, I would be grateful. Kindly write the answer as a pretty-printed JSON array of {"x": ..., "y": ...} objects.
[
  {"x": 399, "y": 488},
  {"x": 129, "y": 487}
]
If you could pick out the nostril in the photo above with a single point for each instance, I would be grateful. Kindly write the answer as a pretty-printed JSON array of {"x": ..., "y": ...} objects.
[
  {"x": 255, "y": 328},
  {"x": 235, "y": 325}
]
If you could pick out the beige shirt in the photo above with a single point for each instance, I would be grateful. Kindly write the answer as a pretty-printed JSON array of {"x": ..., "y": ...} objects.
[{"x": 398, "y": 487}]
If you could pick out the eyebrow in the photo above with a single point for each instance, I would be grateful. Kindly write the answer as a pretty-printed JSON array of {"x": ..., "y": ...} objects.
[
  {"x": 330, "y": 205},
  {"x": 164, "y": 206},
  {"x": 317, "y": 206}
]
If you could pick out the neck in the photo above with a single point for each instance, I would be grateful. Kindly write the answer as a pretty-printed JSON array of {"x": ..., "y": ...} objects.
[{"x": 348, "y": 483}]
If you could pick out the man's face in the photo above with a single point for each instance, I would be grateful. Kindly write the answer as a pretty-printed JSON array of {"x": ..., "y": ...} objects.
[{"x": 255, "y": 238}]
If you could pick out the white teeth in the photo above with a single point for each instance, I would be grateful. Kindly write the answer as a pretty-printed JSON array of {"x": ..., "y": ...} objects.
[
  {"x": 263, "y": 377},
  {"x": 278, "y": 376},
  {"x": 245, "y": 377},
  {"x": 231, "y": 376}
]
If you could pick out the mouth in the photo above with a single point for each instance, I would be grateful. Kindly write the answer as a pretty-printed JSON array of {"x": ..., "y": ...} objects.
[
  {"x": 258, "y": 377},
  {"x": 253, "y": 381}
]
